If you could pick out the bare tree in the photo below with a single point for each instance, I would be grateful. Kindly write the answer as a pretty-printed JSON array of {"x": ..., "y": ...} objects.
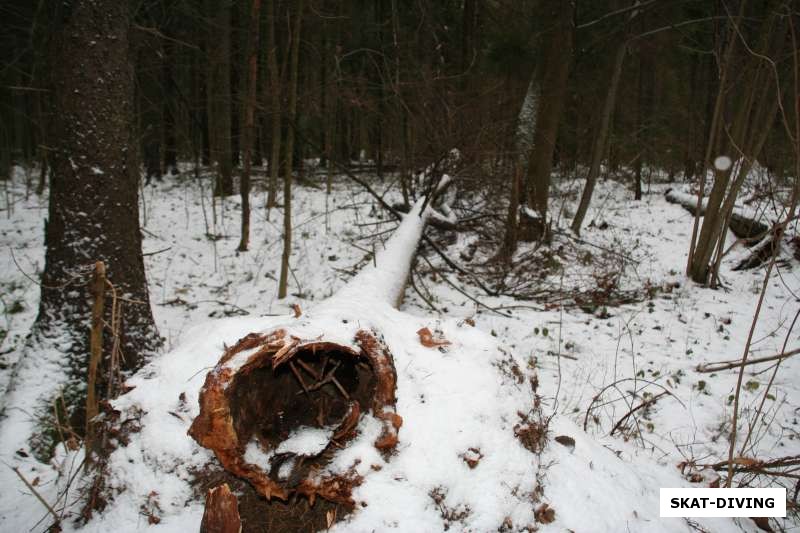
[
  {"x": 275, "y": 105},
  {"x": 288, "y": 158},
  {"x": 745, "y": 133},
  {"x": 249, "y": 120},
  {"x": 218, "y": 47}
]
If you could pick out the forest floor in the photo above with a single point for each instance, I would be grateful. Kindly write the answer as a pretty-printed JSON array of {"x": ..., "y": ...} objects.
[{"x": 607, "y": 322}]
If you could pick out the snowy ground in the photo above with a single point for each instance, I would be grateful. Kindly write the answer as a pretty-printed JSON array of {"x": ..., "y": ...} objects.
[{"x": 199, "y": 284}]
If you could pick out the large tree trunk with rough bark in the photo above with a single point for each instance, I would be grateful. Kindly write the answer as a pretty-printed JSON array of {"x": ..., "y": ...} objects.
[{"x": 94, "y": 208}]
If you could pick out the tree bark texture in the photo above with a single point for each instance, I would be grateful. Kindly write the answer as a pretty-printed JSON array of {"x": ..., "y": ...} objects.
[{"x": 94, "y": 208}]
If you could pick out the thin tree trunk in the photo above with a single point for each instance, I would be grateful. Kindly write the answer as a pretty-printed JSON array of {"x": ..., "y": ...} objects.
[
  {"x": 554, "y": 83},
  {"x": 754, "y": 118},
  {"x": 249, "y": 121},
  {"x": 712, "y": 140},
  {"x": 275, "y": 106},
  {"x": 170, "y": 144},
  {"x": 287, "y": 178},
  {"x": 599, "y": 148},
  {"x": 218, "y": 47},
  {"x": 639, "y": 125}
]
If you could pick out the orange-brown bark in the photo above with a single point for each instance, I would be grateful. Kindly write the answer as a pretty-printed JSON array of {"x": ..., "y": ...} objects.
[{"x": 257, "y": 399}]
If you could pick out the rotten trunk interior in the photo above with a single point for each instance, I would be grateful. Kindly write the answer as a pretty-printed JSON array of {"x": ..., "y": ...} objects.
[{"x": 274, "y": 389}]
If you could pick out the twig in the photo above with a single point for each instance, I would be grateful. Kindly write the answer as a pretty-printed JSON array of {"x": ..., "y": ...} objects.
[
  {"x": 604, "y": 389},
  {"x": 726, "y": 365},
  {"x": 308, "y": 369},
  {"x": 36, "y": 493},
  {"x": 298, "y": 376},
  {"x": 648, "y": 402},
  {"x": 168, "y": 248},
  {"x": 96, "y": 353}
]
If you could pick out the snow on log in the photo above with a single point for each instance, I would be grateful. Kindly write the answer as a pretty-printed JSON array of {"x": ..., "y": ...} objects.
[
  {"x": 761, "y": 252},
  {"x": 743, "y": 223},
  {"x": 281, "y": 405}
]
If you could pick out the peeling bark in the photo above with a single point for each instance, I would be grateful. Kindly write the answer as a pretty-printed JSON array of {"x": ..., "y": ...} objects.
[
  {"x": 222, "y": 512},
  {"x": 270, "y": 384},
  {"x": 272, "y": 388}
]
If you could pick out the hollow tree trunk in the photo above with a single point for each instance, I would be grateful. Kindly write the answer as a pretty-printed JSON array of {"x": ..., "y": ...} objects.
[{"x": 316, "y": 374}]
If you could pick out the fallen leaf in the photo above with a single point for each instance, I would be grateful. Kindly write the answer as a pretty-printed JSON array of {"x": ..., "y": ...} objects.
[
  {"x": 427, "y": 339},
  {"x": 566, "y": 441},
  {"x": 545, "y": 514},
  {"x": 472, "y": 457}
]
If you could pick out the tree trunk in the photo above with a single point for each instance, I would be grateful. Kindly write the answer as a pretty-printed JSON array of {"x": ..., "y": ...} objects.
[
  {"x": 526, "y": 127},
  {"x": 169, "y": 98},
  {"x": 149, "y": 105},
  {"x": 558, "y": 58},
  {"x": 639, "y": 125},
  {"x": 94, "y": 208},
  {"x": 713, "y": 132},
  {"x": 290, "y": 135},
  {"x": 249, "y": 120},
  {"x": 275, "y": 106},
  {"x": 754, "y": 117},
  {"x": 599, "y": 148},
  {"x": 218, "y": 47}
]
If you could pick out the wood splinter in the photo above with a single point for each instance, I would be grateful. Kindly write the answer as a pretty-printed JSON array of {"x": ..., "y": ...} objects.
[{"x": 222, "y": 511}]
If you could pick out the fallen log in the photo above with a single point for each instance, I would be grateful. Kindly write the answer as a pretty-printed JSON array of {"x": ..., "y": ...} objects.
[
  {"x": 742, "y": 222},
  {"x": 280, "y": 406},
  {"x": 763, "y": 251}
]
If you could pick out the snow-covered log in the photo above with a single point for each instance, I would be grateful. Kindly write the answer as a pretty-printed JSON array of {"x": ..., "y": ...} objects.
[
  {"x": 761, "y": 252},
  {"x": 743, "y": 223},
  {"x": 281, "y": 405}
]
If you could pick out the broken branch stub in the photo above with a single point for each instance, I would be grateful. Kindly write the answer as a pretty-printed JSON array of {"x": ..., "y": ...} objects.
[
  {"x": 222, "y": 512},
  {"x": 277, "y": 409}
]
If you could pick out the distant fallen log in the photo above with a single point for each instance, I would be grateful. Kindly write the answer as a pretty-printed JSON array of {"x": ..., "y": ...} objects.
[
  {"x": 282, "y": 405},
  {"x": 761, "y": 252},
  {"x": 742, "y": 222}
]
